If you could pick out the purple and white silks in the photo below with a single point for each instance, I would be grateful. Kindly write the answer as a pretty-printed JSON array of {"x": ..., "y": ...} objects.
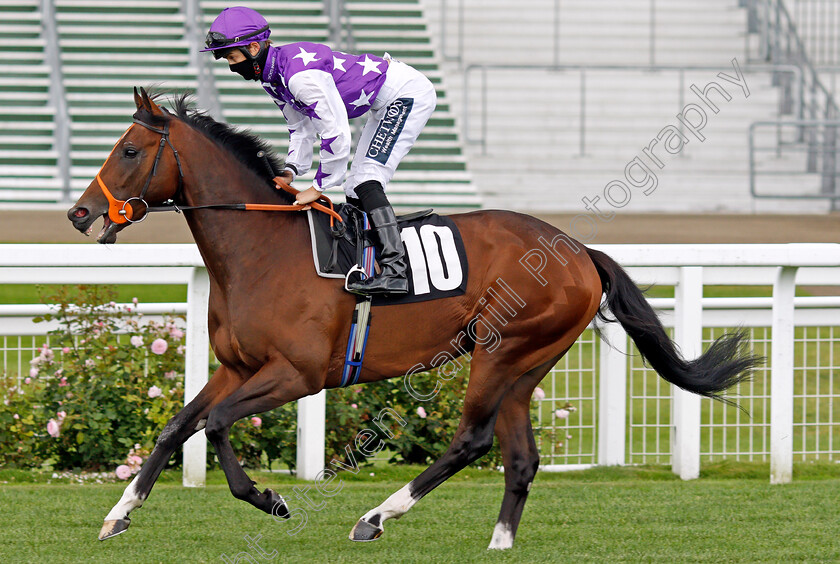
[{"x": 318, "y": 90}]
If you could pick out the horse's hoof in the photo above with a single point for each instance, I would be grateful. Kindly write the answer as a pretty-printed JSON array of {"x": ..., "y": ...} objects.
[
  {"x": 114, "y": 527},
  {"x": 279, "y": 508},
  {"x": 364, "y": 532}
]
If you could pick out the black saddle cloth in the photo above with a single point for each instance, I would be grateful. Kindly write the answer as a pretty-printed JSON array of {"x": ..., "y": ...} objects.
[{"x": 437, "y": 262}]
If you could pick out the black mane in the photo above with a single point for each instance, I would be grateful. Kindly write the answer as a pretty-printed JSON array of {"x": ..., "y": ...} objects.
[{"x": 243, "y": 144}]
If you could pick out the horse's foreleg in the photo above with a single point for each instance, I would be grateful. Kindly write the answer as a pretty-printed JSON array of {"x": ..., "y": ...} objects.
[
  {"x": 473, "y": 439},
  {"x": 181, "y": 427},
  {"x": 275, "y": 384}
]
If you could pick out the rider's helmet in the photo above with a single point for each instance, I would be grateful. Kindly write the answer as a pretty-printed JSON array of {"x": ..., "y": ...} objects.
[{"x": 236, "y": 28}]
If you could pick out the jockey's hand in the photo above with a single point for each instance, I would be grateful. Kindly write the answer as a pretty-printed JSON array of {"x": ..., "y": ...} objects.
[
  {"x": 307, "y": 197},
  {"x": 287, "y": 176}
]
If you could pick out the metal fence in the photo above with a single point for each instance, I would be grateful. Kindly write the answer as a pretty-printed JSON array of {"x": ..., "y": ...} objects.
[{"x": 477, "y": 106}]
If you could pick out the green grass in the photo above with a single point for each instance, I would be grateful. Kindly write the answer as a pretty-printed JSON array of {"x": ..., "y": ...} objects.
[
  {"x": 31, "y": 293},
  {"x": 602, "y": 515}
]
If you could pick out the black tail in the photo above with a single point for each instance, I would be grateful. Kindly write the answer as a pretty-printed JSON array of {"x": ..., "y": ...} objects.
[{"x": 723, "y": 365}]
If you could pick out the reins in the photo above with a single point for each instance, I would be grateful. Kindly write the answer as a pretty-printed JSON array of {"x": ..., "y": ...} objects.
[{"x": 120, "y": 211}]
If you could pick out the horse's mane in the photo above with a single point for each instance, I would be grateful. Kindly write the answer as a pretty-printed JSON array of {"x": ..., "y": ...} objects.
[{"x": 243, "y": 144}]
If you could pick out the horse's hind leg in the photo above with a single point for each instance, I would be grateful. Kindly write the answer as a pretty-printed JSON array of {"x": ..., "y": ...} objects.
[
  {"x": 519, "y": 453},
  {"x": 473, "y": 439},
  {"x": 181, "y": 427}
]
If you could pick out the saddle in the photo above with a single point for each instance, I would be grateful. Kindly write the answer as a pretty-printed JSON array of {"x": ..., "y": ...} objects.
[{"x": 346, "y": 248}]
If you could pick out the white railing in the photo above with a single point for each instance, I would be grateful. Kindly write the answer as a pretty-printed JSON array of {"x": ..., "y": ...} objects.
[{"x": 686, "y": 267}]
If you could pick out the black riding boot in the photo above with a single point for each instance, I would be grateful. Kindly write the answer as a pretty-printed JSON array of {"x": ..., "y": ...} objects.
[{"x": 392, "y": 278}]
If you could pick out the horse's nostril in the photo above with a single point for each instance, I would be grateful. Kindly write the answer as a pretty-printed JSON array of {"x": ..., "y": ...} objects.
[{"x": 81, "y": 212}]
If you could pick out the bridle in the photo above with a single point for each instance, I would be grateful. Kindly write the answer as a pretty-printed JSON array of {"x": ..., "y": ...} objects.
[{"x": 120, "y": 211}]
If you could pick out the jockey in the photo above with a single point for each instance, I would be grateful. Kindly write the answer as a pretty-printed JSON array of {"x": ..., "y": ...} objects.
[{"x": 319, "y": 90}]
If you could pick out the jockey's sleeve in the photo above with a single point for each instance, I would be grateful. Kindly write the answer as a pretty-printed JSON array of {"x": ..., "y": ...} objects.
[
  {"x": 317, "y": 94},
  {"x": 301, "y": 137}
]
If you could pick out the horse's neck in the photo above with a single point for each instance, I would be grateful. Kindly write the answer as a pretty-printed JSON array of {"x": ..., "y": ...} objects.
[{"x": 230, "y": 240}]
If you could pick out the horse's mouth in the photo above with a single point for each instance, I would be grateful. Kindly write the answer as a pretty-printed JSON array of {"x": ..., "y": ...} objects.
[{"x": 108, "y": 234}]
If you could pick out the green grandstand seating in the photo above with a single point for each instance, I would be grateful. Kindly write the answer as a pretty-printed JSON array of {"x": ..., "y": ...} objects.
[
  {"x": 107, "y": 48},
  {"x": 28, "y": 159}
]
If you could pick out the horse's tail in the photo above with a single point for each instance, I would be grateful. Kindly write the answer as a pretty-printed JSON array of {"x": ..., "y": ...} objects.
[{"x": 726, "y": 363}]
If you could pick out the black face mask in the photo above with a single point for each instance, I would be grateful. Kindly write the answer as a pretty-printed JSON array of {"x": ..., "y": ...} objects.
[
  {"x": 250, "y": 68},
  {"x": 245, "y": 68}
]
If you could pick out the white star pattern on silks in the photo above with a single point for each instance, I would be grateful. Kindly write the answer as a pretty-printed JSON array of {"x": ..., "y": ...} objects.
[
  {"x": 305, "y": 56},
  {"x": 370, "y": 66},
  {"x": 339, "y": 64},
  {"x": 362, "y": 100}
]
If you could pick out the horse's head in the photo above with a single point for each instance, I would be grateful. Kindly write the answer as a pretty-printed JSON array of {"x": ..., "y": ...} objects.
[{"x": 138, "y": 171}]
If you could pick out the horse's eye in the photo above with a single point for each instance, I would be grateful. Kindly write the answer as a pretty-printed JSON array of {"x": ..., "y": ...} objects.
[{"x": 130, "y": 153}]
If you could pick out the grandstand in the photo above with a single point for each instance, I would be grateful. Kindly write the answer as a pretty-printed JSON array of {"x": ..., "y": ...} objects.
[
  {"x": 566, "y": 94},
  {"x": 538, "y": 108},
  {"x": 28, "y": 157},
  {"x": 75, "y": 106}
]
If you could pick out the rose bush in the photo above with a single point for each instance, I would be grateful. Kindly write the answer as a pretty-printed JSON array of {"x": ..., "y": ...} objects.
[{"x": 87, "y": 401}]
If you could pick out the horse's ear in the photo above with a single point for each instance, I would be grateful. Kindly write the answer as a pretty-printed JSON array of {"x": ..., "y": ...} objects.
[
  {"x": 149, "y": 104},
  {"x": 137, "y": 99}
]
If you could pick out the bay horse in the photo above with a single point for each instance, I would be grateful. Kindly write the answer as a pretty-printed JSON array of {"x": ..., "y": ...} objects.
[{"x": 280, "y": 331}]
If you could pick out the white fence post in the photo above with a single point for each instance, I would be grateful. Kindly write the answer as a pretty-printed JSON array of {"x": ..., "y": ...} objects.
[
  {"x": 612, "y": 416},
  {"x": 312, "y": 412},
  {"x": 685, "y": 406},
  {"x": 195, "y": 371},
  {"x": 781, "y": 377}
]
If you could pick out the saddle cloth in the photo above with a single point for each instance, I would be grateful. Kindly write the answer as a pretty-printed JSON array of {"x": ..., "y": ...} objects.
[{"x": 437, "y": 262}]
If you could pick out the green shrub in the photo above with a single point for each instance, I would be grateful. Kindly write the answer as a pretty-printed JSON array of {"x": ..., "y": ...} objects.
[{"x": 100, "y": 394}]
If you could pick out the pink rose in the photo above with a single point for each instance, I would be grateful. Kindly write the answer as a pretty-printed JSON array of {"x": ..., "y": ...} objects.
[
  {"x": 62, "y": 382},
  {"x": 61, "y": 415},
  {"x": 354, "y": 406},
  {"x": 539, "y": 394},
  {"x": 176, "y": 333},
  {"x": 256, "y": 421},
  {"x": 134, "y": 459},
  {"x": 66, "y": 350},
  {"x": 16, "y": 416},
  {"x": 123, "y": 472},
  {"x": 154, "y": 392},
  {"x": 52, "y": 428},
  {"x": 421, "y": 412},
  {"x": 180, "y": 349},
  {"x": 90, "y": 363},
  {"x": 159, "y": 346},
  {"x": 136, "y": 340},
  {"x": 33, "y": 372},
  {"x": 134, "y": 301},
  {"x": 171, "y": 375},
  {"x": 27, "y": 380},
  {"x": 561, "y": 413}
]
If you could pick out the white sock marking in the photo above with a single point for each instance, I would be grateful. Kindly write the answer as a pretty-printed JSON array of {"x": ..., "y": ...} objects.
[
  {"x": 395, "y": 506},
  {"x": 128, "y": 502},
  {"x": 502, "y": 537},
  {"x": 201, "y": 424}
]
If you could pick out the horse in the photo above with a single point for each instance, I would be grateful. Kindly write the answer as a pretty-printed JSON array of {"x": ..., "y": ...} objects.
[{"x": 279, "y": 330}]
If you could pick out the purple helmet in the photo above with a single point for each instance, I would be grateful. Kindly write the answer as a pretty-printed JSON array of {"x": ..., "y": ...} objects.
[{"x": 236, "y": 27}]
